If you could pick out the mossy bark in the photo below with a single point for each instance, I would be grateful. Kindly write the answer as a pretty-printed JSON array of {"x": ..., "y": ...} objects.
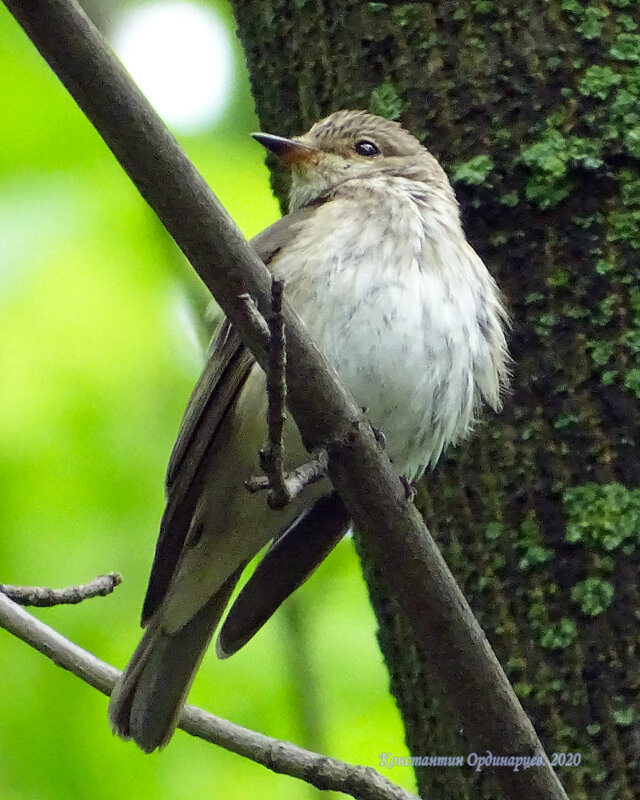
[{"x": 534, "y": 109}]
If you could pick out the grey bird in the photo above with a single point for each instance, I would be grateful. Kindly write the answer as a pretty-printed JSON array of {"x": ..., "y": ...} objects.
[{"x": 377, "y": 264}]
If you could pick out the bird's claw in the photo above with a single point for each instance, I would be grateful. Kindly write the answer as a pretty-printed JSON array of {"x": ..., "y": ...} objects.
[{"x": 409, "y": 491}]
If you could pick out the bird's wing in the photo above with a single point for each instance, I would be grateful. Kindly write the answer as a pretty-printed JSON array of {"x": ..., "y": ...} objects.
[
  {"x": 227, "y": 368},
  {"x": 224, "y": 375}
]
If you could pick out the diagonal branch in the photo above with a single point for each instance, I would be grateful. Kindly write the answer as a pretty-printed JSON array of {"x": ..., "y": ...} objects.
[
  {"x": 446, "y": 632},
  {"x": 363, "y": 783}
]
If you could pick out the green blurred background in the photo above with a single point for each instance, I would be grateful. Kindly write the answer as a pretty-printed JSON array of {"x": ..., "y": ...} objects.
[{"x": 101, "y": 345}]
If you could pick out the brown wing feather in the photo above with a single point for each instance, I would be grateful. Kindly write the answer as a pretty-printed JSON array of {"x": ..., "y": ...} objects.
[
  {"x": 224, "y": 351},
  {"x": 224, "y": 376},
  {"x": 222, "y": 379}
]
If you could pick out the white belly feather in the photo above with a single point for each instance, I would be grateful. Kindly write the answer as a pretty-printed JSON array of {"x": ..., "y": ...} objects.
[{"x": 405, "y": 327}]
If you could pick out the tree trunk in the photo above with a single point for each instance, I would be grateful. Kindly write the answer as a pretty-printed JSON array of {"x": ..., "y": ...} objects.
[{"x": 534, "y": 110}]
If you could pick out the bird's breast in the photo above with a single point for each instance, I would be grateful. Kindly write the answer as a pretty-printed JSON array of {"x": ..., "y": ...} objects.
[{"x": 399, "y": 326}]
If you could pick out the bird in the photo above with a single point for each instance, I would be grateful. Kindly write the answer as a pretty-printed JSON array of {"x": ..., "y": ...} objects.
[{"x": 375, "y": 261}]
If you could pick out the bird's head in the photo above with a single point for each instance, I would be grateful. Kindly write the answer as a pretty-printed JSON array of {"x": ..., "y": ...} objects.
[{"x": 349, "y": 145}]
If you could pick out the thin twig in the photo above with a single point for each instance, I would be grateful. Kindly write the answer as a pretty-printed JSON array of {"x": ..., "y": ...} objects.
[
  {"x": 297, "y": 479},
  {"x": 42, "y": 597},
  {"x": 282, "y": 487},
  {"x": 279, "y": 756},
  {"x": 272, "y": 455}
]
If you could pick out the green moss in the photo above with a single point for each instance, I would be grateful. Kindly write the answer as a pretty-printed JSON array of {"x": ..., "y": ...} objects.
[
  {"x": 559, "y": 277},
  {"x": 534, "y": 555},
  {"x": 625, "y": 227},
  {"x": 601, "y": 351},
  {"x": 630, "y": 187},
  {"x": 498, "y": 239},
  {"x": 545, "y": 324},
  {"x": 625, "y": 716},
  {"x": 593, "y": 595},
  {"x": 624, "y": 106},
  {"x": 603, "y": 314},
  {"x": 493, "y": 531},
  {"x": 560, "y": 635},
  {"x": 537, "y": 611},
  {"x": 483, "y": 6},
  {"x": 529, "y": 544},
  {"x": 626, "y": 47},
  {"x": 522, "y": 689},
  {"x": 626, "y": 22},
  {"x": 406, "y": 15},
  {"x": 575, "y": 312},
  {"x": 603, "y": 266},
  {"x": 606, "y": 516},
  {"x": 631, "y": 339},
  {"x": 549, "y": 160},
  {"x": 546, "y": 193},
  {"x": 564, "y": 421},
  {"x": 591, "y": 22},
  {"x": 531, "y": 298},
  {"x": 385, "y": 101},
  {"x": 598, "y": 81},
  {"x": 548, "y": 156},
  {"x": 586, "y": 153},
  {"x": 632, "y": 381},
  {"x": 594, "y": 728},
  {"x": 510, "y": 199},
  {"x": 474, "y": 171}
]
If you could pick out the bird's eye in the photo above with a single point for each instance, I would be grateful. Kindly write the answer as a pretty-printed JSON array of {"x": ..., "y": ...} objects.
[{"x": 364, "y": 147}]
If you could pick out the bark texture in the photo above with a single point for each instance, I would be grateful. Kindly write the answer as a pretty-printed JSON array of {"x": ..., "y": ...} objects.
[{"x": 534, "y": 110}]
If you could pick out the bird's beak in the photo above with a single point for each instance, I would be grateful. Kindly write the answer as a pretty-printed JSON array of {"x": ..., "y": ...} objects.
[{"x": 289, "y": 151}]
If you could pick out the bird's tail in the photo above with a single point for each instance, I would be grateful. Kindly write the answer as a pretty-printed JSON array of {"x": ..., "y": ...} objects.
[{"x": 147, "y": 700}]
